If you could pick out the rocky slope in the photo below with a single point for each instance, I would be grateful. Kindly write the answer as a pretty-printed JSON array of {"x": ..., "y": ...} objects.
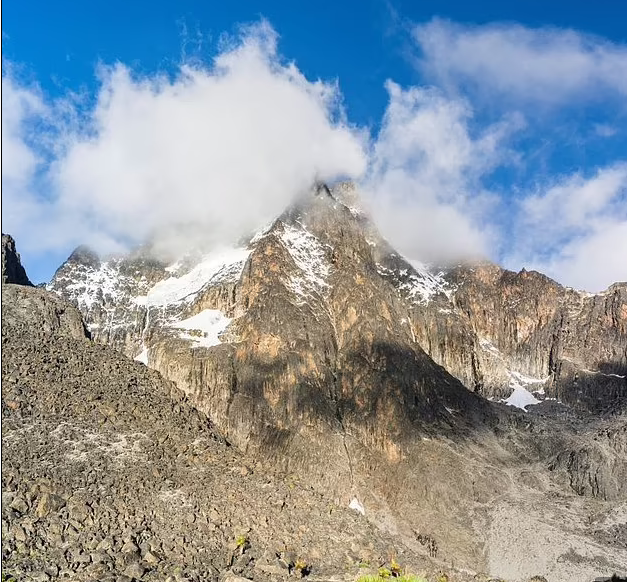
[{"x": 109, "y": 473}]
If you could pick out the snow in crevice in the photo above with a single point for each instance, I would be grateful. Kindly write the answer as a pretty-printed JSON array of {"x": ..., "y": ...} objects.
[
  {"x": 603, "y": 374},
  {"x": 203, "y": 329},
  {"x": 310, "y": 256},
  {"x": 220, "y": 266}
]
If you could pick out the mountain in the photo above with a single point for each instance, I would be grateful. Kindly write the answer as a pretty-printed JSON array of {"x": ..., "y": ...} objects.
[
  {"x": 110, "y": 473},
  {"x": 315, "y": 346},
  {"x": 502, "y": 334},
  {"x": 321, "y": 353}
]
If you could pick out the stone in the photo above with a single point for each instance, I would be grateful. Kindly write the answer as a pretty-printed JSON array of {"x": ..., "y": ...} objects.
[
  {"x": 134, "y": 570},
  {"x": 19, "y": 504},
  {"x": 47, "y": 504}
]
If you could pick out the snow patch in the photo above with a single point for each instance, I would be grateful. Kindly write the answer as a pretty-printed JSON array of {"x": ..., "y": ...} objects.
[
  {"x": 95, "y": 284},
  {"x": 220, "y": 266},
  {"x": 418, "y": 286},
  {"x": 208, "y": 325},
  {"x": 142, "y": 357},
  {"x": 521, "y": 397},
  {"x": 354, "y": 504}
]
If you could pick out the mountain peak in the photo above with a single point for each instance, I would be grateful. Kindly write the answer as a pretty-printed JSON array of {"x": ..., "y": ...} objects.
[{"x": 84, "y": 255}]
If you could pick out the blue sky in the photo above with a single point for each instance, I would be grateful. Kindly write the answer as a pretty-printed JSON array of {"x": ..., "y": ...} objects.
[{"x": 474, "y": 129}]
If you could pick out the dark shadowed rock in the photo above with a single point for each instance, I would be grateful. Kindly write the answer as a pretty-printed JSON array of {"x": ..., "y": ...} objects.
[{"x": 12, "y": 269}]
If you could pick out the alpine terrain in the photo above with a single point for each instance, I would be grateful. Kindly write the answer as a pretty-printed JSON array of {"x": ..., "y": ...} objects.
[{"x": 308, "y": 402}]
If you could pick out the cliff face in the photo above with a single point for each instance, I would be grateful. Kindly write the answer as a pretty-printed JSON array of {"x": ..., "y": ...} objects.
[{"x": 526, "y": 328}]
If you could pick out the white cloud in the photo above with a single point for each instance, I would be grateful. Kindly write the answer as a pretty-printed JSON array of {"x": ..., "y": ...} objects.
[
  {"x": 543, "y": 65},
  {"x": 424, "y": 184},
  {"x": 224, "y": 148},
  {"x": 576, "y": 229},
  {"x": 23, "y": 112}
]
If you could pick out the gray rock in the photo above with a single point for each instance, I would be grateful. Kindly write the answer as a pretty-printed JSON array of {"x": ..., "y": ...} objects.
[{"x": 134, "y": 570}]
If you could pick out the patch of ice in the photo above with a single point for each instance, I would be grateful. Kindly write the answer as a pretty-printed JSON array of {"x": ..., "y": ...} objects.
[
  {"x": 309, "y": 254},
  {"x": 207, "y": 324},
  {"x": 357, "y": 506},
  {"x": 220, "y": 266}
]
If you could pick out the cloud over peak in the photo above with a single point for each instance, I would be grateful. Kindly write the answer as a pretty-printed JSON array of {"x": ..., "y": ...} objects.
[{"x": 223, "y": 146}]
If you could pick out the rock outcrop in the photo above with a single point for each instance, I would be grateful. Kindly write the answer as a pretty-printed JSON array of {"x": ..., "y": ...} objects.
[{"x": 12, "y": 269}]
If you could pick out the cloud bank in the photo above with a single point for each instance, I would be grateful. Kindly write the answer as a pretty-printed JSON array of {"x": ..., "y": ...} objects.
[
  {"x": 463, "y": 166},
  {"x": 544, "y": 65},
  {"x": 219, "y": 149}
]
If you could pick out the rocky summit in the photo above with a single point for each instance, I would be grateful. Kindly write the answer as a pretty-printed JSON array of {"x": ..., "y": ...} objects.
[{"x": 309, "y": 397}]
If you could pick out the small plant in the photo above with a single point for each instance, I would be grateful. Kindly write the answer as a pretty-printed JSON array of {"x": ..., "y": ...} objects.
[
  {"x": 302, "y": 567},
  {"x": 442, "y": 578},
  {"x": 395, "y": 568},
  {"x": 384, "y": 573},
  {"x": 242, "y": 543},
  {"x": 364, "y": 564}
]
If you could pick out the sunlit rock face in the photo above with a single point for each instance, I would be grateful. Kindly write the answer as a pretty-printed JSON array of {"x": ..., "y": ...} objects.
[{"x": 516, "y": 337}]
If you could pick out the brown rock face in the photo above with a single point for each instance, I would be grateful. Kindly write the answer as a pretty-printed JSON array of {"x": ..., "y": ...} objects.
[
  {"x": 498, "y": 321},
  {"x": 12, "y": 269}
]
